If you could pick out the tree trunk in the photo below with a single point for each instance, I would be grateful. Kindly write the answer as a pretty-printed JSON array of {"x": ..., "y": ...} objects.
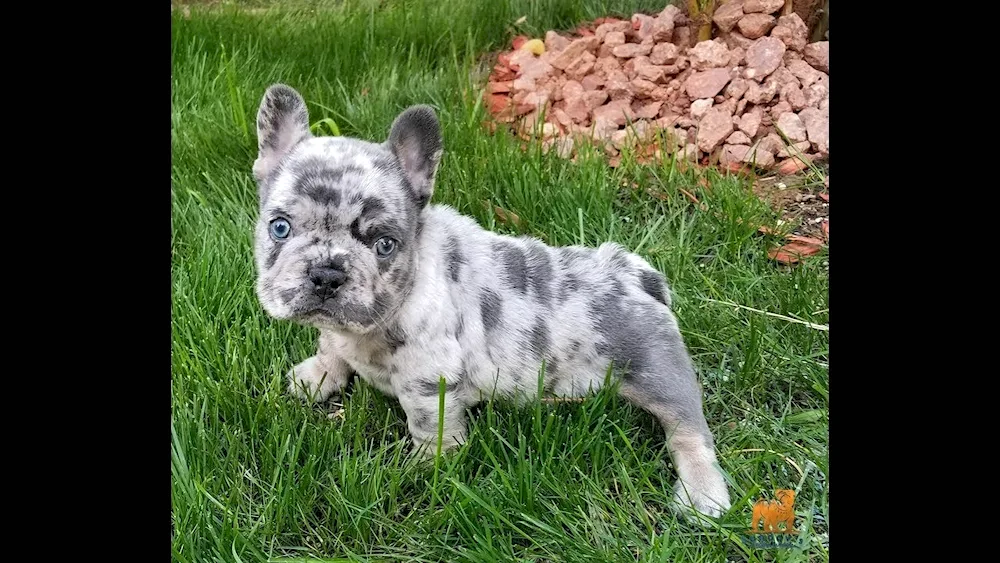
[{"x": 700, "y": 12}]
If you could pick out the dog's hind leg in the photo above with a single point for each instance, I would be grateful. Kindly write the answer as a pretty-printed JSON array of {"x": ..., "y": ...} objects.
[{"x": 668, "y": 389}]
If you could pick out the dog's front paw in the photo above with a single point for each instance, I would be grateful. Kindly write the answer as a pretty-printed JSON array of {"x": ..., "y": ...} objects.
[
  {"x": 425, "y": 447},
  {"x": 310, "y": 382},
  {"x": 709, "y": 497},
  {"x": 428, "y": 449},
  {"x": 423, "y": 452}
]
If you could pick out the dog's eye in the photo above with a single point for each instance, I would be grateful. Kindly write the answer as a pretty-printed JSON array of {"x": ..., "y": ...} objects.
[
  {"x": 280, "y": 229},
  {"x": 385, "y": 246}
]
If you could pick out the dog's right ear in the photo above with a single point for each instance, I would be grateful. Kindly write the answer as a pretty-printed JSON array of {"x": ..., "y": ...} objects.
[
  {"x": 415, "y": 139},
  {"x": 282, "y": 122}
]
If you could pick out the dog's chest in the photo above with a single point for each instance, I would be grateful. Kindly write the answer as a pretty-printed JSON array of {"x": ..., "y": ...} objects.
[{"x": 370, "y": 360}]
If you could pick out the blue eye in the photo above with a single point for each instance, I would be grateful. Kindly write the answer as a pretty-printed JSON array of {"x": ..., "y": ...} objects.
[
  {"x": 385, "y": 246},
  {"x": 280, "y": 229}
]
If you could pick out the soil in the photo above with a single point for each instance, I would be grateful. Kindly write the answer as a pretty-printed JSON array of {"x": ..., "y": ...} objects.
[{"x": 800, "y": 201}]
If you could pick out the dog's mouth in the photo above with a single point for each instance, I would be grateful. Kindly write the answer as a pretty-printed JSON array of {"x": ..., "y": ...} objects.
[
  {"x": 325, "y": 315},
  {"x": 341, "y": 311},
  {"x": 333, "y": 313},
  {"x": 327, "y": 309},
  {"x": 304, "y": 304}
]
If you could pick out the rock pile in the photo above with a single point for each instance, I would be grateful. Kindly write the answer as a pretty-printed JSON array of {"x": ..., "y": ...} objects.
[{"x": 640, "y": 84}]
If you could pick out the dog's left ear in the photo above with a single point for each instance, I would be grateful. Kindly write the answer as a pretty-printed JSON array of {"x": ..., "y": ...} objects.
[{"x": 415, "y": 139}]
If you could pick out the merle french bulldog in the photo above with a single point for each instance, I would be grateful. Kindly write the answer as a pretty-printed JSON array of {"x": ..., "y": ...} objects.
[{"x": 404, "y": 291}]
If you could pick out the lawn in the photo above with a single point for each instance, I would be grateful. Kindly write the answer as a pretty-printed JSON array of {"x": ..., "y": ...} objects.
[{"x": 259, "y": 476}]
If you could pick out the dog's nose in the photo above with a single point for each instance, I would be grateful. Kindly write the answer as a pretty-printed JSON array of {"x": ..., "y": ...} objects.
[{"x": 326, "y": 280}]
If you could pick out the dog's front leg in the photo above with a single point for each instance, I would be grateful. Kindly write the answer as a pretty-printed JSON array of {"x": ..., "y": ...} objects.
[
  {"x": 420, "y": 398},
  {"x": 318, "y": 377}
]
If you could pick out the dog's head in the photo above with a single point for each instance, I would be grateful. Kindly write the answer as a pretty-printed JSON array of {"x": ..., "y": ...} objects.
[{"x": 339, "y": 217}]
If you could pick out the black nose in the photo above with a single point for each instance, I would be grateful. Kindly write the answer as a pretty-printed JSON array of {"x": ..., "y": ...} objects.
[{"x": 326, "y": 280}]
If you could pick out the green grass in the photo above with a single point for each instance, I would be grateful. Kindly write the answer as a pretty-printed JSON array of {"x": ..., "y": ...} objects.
[{"x": 258, "y": 476}]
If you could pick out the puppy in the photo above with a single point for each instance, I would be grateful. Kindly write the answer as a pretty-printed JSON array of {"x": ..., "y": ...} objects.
[{"x": 404, "y": 292}]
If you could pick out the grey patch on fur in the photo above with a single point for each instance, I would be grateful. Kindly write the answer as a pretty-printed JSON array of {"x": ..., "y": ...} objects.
[
  {"x": 394, "y": 339},
  {"x": 670, "y": 383},
  {"x": 570, "y": 259},
  {"x": 540, "y": 272},
  {"x": 514, "y": 264},
  {"x": 460, "y": 326},
  {"x": 400, "y": 274},
  {"x": 385, "y": 264},
  {"x": 431, "y": 388},
  {"x": 570, "y": 284},
  {"x": 272, "y": 256},
  {"x": 550, "y": 379},
  {"x": 636, "y": 338},
  {"x": 423, "y": 418},
  {"x": 322, "y": 195},
  {"x": 540, "y": 338},
  {"x": 321, "y": 182},
  {"x": 491, "y": 309},
  {"x": 455, "y": 259},
  {"x": 654, "y": 284},
  {"x": 625, "y": 335},
  {"x": 371, "y": 208},
  {"x": 288, "y": 294}
]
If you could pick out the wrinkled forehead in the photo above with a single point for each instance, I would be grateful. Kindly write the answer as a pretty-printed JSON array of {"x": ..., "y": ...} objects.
[{"x": 340, "y": 173}]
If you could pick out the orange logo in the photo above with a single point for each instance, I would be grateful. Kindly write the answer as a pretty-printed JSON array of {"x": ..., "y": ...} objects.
[{"x": 773, "y": 513}]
